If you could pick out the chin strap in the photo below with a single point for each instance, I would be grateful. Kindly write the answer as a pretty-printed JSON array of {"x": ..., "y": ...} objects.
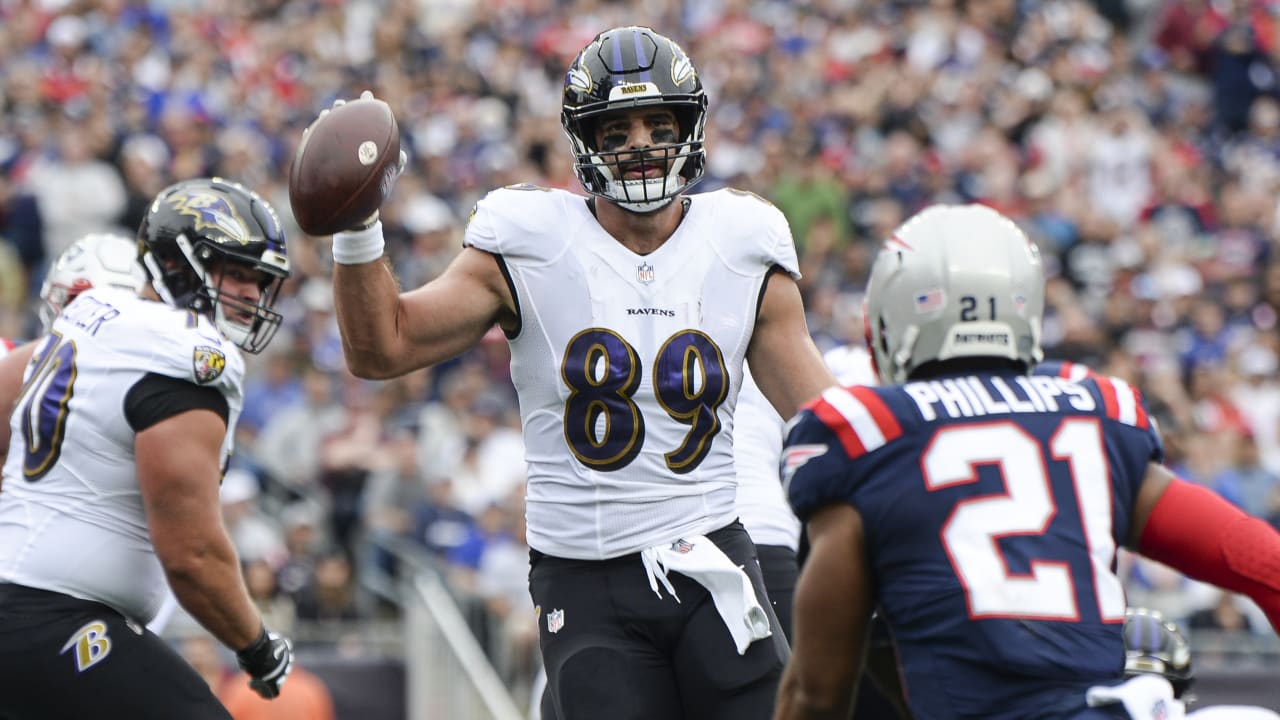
[{"x": 1194, "y": 530}]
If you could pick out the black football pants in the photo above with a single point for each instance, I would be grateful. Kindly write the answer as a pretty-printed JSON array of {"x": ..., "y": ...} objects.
[
  {"x": 613, "y": 649},
  {"x": 66, "y": 658}
]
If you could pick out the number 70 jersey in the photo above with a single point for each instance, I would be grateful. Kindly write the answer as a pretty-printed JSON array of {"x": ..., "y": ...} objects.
[
  {"x": 71, "y": 512},
  {"x": 628, "y": 366},
  {"x": 992, "y": 508}
]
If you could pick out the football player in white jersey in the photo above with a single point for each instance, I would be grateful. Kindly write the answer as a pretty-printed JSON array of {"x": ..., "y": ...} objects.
[
  {"x": 95, "y": 260},
  {"x": 117, "y": 442},
  {"x": 757, "y": 452},
  {"x": 628, "y": 314}
]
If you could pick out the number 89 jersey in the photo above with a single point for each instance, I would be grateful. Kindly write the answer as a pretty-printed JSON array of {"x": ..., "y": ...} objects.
[
  {"x": 628, "y": 366},
  {"x": 71, "y": 514},
  {"x": 992, "y": 508}
]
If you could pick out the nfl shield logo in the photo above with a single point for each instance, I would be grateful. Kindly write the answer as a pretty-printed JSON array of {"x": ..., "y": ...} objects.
[
  {"x": 682, "y": 546},
  {"x": 555, "y": 621},
  {"x": 644, "y": 273}
]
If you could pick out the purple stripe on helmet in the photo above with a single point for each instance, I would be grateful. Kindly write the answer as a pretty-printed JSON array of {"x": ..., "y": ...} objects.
[
  {"x": 617, "y": 65},
  {"x": 641, "y": 61}
]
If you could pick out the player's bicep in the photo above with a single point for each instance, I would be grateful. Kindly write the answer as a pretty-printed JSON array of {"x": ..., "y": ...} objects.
[
  {"x": 785, "y": 363},
  {"x": 453, "y": 312},
  {"x": 1154, "y": 483},
  {"x": 180, "y": 429},
  {"x": 834, "y": 600}
]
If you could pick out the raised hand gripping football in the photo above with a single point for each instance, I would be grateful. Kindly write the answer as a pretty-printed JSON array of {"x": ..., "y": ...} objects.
[{"x": 346, "y": 165}]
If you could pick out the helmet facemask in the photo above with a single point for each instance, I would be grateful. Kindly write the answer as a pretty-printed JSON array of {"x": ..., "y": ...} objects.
[
  {"x": 195, "y": 281},
  {"x": 623, "y": 69},
  {"x": 598, "y": 169}
]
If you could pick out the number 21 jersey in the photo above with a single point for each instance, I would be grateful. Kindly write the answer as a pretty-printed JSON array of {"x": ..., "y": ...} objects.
[{"x": 992, "y": 507}]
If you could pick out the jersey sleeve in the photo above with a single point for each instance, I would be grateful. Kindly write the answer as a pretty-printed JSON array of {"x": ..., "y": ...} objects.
[
  {"x": 815, "y": 470},
  {"x": 832, "y": 443},
  {"x": 523, "y": 223},
  {"x": 183, "y": 346},
  {"x": 753, "y": 232},
  {"x": 1117, "y": 400},
  {"x": 1123, "y": 404},
  {"x": 783, "y": 250}
]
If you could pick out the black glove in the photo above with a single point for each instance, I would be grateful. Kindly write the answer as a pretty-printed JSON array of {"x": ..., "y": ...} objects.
[{"x": 268, "y": 661}]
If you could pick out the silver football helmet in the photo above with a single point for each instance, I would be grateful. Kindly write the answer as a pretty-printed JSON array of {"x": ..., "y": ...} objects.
[
  {"x": 95, "y": 260},
  {"x": 954, "y": 281}
]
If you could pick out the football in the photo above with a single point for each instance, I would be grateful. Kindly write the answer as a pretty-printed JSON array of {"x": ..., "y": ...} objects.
[{"x": 345, "y": 165}]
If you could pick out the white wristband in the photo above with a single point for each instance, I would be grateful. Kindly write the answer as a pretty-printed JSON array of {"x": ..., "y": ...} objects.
[{"x": 357, "y": 247}]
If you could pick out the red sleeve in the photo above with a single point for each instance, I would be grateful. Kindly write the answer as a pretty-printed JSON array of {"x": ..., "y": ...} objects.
[{"x": 1207, "y": 538}]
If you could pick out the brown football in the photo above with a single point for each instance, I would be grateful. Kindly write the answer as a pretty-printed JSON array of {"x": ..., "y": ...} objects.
[{"x": 344, "y": 167}]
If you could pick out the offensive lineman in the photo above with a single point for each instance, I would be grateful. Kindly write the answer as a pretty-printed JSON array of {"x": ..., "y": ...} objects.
[{"x": 118, "y": 439}]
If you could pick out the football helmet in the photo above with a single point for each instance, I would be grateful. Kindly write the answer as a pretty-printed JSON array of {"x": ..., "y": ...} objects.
[
  {"x": 1155, "y": 646},
  {"x": 195, "y": 227},
  {"x": 629, "y": 67},
  {"x": 95, "y": 260},
  {"x": 954, "y": 281}
]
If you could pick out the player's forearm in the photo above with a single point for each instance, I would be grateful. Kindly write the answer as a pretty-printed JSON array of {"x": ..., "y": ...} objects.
[
  {"x": 367, "y": 300},
  {"x": 209, "y": 585},
  {"x": 1192, "y": 529},
  {"x": 795, "y": 702}
]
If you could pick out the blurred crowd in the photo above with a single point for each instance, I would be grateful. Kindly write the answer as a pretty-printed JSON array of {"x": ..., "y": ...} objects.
[{"x": 1137, "y": 141}]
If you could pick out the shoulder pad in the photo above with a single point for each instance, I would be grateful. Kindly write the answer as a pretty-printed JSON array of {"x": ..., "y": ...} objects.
[
  {"x": 524, "y": 221},
  {"x": 752, "y": 231}
]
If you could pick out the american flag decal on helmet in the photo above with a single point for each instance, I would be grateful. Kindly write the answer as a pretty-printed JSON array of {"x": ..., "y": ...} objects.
[{"x": 930, "y": 300}]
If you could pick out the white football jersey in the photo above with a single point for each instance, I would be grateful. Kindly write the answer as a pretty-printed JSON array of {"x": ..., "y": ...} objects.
[
  {"x": 628, "y": 366},
  {"x": 757, "y": 450},
  {"x": 71, "y": 515},
  {"x": 757, "y": 441}
]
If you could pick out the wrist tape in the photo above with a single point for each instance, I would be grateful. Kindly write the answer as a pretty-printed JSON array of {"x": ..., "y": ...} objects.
[{"x": 357, "y": 247}]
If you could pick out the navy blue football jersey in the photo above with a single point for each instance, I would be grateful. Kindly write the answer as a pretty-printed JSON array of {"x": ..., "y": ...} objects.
[{"x": 993, "y": 506}]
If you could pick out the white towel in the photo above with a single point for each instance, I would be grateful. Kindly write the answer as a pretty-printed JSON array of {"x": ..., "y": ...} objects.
[
  {"x": 1145, "y": 697},
  {"x": 701, "y": 561}
]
